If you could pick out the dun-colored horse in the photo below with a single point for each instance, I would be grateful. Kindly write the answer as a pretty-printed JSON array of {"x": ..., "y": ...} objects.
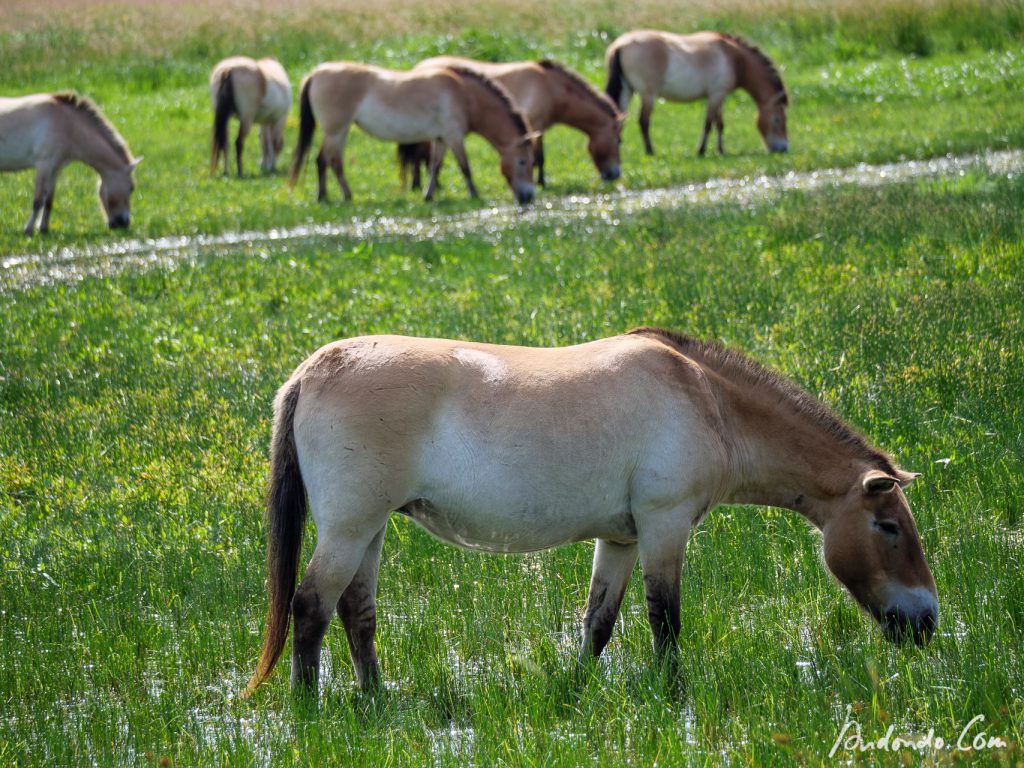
[
  {"x": 705, "y": 65},
  {"x": 547, "y": 93},
  {"x": 48, "y": 131},
  {"x": 438, "y": 105},
  {"x": 630, "y": 440},
  {"x": 254, "y": 92}
]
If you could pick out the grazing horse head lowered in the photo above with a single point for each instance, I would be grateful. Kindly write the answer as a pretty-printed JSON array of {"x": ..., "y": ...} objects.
[
  {"x": 46, "y": 132},
  {"x": 629, "y": 440}
]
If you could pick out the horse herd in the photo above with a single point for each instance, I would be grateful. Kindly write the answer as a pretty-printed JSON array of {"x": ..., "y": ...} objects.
[{"x": 427, "y": 111}]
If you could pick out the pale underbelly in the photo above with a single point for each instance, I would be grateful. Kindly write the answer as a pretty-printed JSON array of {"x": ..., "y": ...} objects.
[{"x": 518, "y": 530}]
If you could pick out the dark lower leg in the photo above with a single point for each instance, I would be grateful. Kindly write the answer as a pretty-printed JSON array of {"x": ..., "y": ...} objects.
[
  {"x": 662, "y": 611},
  {"x": 321, "y": 177},
  {"x": 645, "y": 125},
  {"x": 358, "y": 611},
  {"x": 311, "y": 622}
]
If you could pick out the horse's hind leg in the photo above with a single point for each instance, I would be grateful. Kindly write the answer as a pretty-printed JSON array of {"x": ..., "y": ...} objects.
[
  {"x": 332, "y": 151},
  {"x": 720, "y": 125},
  {"x": 437, "y": 150},
  {"x": 708, "y": 120},
  {"x": 243, "y": 131},
  {"x": 329, "y": 573},
  {"x": 42, "y": 201},
  {"x": 613, "y": 565},
  {"x": 267, "y": 155},
  {"x": 358, "y": 611},
  {"x": 646, "y": 108}
]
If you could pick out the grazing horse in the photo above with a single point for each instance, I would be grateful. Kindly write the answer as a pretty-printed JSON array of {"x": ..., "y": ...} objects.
[
  {"x": 254, "y": 92},
  {"x": 629, "y": 440},
  {"x": 48, "y": 131},
  {"x": 547, "y": 93},
  {"x": 705, "y": 65},
  {"x": 440, "y": 105}
]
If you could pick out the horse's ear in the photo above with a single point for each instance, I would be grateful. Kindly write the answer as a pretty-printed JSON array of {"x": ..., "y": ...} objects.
[
  {"x": 906, "y": 478},
  {"x": 877, "y": 482},
  {"x": 134, "y": 164},
  {"x": 531, "y": 137}
]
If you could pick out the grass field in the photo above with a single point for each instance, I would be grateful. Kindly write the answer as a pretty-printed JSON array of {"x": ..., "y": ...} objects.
[{"x": 135, "y": 408}]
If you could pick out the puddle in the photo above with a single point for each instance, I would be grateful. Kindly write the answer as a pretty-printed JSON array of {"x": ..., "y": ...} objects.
[{"x": 68, "y": 265}]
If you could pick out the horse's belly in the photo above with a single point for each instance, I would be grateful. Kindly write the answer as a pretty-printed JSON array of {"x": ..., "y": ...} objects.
[
  {"x": 687, "y": 78},
  {"x": 17, "y": 143},
  {"x": 397, "y": 123},
  {"x": 516, "y": 525}
]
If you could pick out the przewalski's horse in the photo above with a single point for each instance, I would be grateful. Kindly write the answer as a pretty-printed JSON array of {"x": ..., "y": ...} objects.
[
  {"x": 254, "y": 92},
  {"x": 439, "y": 105},
  {"x": 705, "y": 65},
  {"x": 630, "y": 440},
  {"x": 48, "y": 131},
  {"x": 547, "y": 93}
]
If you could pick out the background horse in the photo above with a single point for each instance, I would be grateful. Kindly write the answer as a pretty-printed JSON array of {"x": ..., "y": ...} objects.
[
  {"x": 254, "y": 92},
  {"x": 439, "y": 105},
  {"x": 547, "y": 93},
  {"x": 48, "y": 131},
  {"x": 630, "y": 440},
  {"x": 705, "y": 65}
]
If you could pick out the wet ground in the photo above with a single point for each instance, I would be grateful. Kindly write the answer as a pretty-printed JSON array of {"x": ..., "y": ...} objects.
[{"x": 18, "y": 272}]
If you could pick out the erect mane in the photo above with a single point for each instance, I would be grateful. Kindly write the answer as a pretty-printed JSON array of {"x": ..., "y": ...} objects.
[
  {"x": 499, "y": 91},
  {"x": 88, "y": 109},
  {"x": 736, "y": 366},
  {"x": 582, "y": 85},
  {"x": 773, "y": 73}
]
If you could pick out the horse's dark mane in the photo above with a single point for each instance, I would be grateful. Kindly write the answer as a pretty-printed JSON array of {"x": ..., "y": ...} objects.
[
  {"x": 91, "y": 112},
  {"x": 773, "y": 73},
  {"x": 736, "y": 366},
  {"x": 498, "y": 90},
  {"x": 600, "y": 97}
]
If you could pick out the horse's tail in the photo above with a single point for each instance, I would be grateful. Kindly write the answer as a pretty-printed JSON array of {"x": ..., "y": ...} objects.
[
  {"x": 224, "y": 108},
  {"x": 307, "y": 125},
  {"x": 409, "y": 156},
  {"x": 616, "y": 80},
  {"x": 285, "y": 521}
]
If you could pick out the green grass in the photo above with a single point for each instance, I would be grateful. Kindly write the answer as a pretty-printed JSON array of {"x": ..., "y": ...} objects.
[{"x": 135, "y": 415}]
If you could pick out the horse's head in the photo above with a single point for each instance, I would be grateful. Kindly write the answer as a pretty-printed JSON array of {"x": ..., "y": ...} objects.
[
  {"x": 604, "y": 149},
  {"x": 115, "y": 191},
  {"x": 517, "y": 167},
  {"x": 872, "y": 546},
  {"x": 771, "y": 122}
]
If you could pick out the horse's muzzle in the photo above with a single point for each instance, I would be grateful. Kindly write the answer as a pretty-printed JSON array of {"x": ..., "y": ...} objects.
[
  {"x": 121, "y": 221},
  {"x": 525, "y": 194},
  {"x": 611, "y": 174},
  {"x": 899, "y": 626},
  {"x": 779, "y": 145}
]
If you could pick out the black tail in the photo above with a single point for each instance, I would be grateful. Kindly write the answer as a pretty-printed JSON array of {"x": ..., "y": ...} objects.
[
  {"x": 286, "y": 521},
  {"x": 307, "y": 125},
  {"x": 410, "y": 156},
  {"x": 615, "y": 80},
  {"x": 223, "y": 110}
]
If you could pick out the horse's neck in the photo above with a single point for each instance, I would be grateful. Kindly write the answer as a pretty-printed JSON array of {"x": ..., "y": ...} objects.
[
  {"x": 781, "y": 458},
  {"x": 90, "y": 147},
  {"x": 752, "y": 77},
  {"x": 490, "y": 117},
  {"x": 579, "y": 110}
]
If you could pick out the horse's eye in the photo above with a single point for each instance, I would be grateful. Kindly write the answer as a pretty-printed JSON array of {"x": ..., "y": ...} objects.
[{"x": 888, "y": 527}]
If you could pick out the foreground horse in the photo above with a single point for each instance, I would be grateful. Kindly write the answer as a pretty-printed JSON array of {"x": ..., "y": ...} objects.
[
  {"x": 705, "y": 65},
  {"x": 48, "y": 131},
  {"x": 630, "y": 440},
  {"x": 438, "y": 105},
  {"x": 547, "y": 93},
  {"x": 254, "y": 92}
]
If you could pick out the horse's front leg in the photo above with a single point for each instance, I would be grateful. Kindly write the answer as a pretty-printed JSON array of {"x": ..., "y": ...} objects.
[
  {"x": 437, "y": 150},
  {"x": 613, "y": 565},
  {"x": 42, "y": 200},
  {"x": 357, "y": 608},
  {"x": 459, "y": 150},
  {"x": 267, "y": 154},
  {"x": 538, "y": 159},
  {"x": 662, "y": 547}
]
